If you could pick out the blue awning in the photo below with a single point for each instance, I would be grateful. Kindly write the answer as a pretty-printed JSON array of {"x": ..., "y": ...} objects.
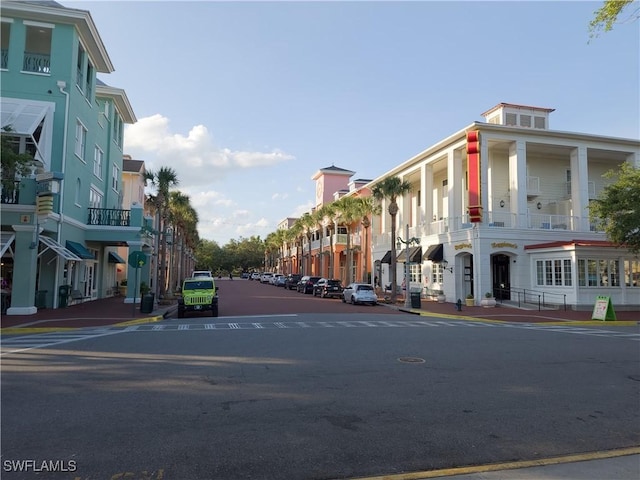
[
  {"x": 115, "y": 258},
  {"x": 80, "y": 250}
]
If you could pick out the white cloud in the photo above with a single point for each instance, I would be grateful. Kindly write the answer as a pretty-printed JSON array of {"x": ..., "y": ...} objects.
[
  {"x": 194, "y": 156},
  {"x": 279, "y": 196}
]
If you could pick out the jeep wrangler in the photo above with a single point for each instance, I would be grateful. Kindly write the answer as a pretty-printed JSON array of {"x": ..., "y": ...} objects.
[{"x": 198, "y": 294}]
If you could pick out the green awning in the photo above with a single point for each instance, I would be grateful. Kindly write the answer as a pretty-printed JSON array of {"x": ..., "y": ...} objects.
[
  {"x": 80, "y": 250},
  {"x": 115, "y": 258}
]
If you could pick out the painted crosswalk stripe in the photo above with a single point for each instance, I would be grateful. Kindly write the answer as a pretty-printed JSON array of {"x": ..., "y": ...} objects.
[
  {"x": 257, "y": 325},
  {"x": 280, "y": 325},
  {"x": 234, "y": 326},
  {"x": 183, "y": 327}
]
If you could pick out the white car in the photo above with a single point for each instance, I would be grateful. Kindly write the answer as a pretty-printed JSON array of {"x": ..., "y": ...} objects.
[
  {"x": 359, "y": 293},
  {"x": 255, "y": 276},
  {"x": 201, "y": 273},
  {"x": 265, "y": 277},
  {"x": 274, "y": 278}
]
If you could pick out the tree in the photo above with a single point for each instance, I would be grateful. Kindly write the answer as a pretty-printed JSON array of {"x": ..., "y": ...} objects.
[
  {"x": 390, "y": 189},
  {"x": 347, "y": 213},
  {"x": 365, "y": 207},
  {"x": 607, "y": 15},
  {"x": 13, "y": 163},
  {"x": 165, "y": 179},
  {"x": 617, "y": 208}
]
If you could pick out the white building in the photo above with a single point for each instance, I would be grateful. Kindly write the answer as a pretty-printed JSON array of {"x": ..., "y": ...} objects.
[{"x": 532, "y": 238}]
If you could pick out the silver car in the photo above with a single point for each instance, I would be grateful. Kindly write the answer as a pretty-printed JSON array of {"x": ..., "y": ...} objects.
[{"x": 359, "y": 293}]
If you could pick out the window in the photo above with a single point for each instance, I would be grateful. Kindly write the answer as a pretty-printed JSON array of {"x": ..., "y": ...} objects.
[
  {"x": 89, "y": 82},
  {"x": 95, "y": 198},
  {"x": 599, "y": 272},
  {"x": 525, "y": 121},
  {"x": 80, "y": 68},
  {"x": 415, "y": 269},
  {"x": 553, "y": 272},
  {"x": 97, "y": 162},
  {"x": 37, "y": 49},
  {"x": 539, "y": 122},
  {"x": 76, "y": 198},
  {"x": 115, "y": 175},
  {"x": 84, "y": 73},
  {"x": 117, "y": 129},
  {"x": 436, "y": 273},
  {"x": 510, "y": 119},
  {"x": 5, "y": 35},
  {"x": 81, "y": 140},
  {"x": 632, "y": 273}
]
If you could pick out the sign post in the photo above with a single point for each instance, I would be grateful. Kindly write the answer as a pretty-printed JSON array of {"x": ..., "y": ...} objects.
[
  {"x": 136, "y": 260},
  {"x": 603, "y": 309}
]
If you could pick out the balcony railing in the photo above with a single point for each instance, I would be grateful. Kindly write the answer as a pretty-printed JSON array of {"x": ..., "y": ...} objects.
[
  {"x": 109, "y": 216},
  {"x": 10, "y": 196},
  {"x": 4, "y": 56},
  {"x": 36, "y": 62}
]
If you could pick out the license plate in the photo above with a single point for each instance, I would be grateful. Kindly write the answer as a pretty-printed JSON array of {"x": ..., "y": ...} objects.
[{"x": 198, "y": 307}]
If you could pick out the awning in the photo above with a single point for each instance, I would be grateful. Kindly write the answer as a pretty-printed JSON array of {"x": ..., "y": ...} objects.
[
  {"x": 115, "y": 258},
  {"x": 435, "y": 253},
  {"x": 6, "y": 239},
  {"x": 387, "y": 257},
  {"x": 415, "y": 255},
  {"x": 57, "y": 248},
  {"x": 80, "y": 250}
]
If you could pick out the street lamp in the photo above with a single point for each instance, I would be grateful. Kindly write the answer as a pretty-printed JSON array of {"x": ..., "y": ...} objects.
[{"x": 408, "y": 243}]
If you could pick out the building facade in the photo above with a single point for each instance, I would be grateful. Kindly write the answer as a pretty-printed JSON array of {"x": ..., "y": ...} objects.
[
  {"x": 62, "y": 225},
  {"x": 500, "y": 208}
]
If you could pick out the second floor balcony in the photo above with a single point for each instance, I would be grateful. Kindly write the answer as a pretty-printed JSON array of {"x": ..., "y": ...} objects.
[{"x": 109, "y": 217}]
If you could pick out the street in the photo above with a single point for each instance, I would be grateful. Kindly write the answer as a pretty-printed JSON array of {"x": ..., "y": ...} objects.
[{"x": 286, "y": 386}]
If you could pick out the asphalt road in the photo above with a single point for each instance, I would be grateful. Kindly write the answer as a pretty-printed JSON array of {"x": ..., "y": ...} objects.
[{"x": 351, "y": 392}]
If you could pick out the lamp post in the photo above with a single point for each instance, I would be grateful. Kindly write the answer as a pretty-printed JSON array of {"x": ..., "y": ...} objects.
[{"x": 408, "y": 243}]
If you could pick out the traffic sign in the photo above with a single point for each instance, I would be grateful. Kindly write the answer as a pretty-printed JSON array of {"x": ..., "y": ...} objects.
[{"x": 137, "y": 259}]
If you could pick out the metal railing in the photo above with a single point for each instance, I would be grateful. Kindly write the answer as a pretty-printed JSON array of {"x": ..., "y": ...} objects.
[
  {"x": 109, "y": 216},
  {"x": 36, "y": 62},
  {"x": 532, "y": 297},
  {"x": 12, "y": 195}
]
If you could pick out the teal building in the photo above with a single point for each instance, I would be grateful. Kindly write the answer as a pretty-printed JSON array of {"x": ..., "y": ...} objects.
[{"x": 64, "y": 222}]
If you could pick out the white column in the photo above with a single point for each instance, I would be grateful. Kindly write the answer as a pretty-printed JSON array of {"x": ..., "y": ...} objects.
[
  {"x": 580, "y": 188},
  {"x": 518, "y": 181}
]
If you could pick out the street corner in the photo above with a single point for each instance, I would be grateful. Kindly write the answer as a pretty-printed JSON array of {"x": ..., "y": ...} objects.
[{"x": 138, "y": 321}]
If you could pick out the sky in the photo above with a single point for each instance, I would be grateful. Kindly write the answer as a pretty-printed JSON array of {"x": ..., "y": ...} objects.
[{"x": 246, "y": 101}]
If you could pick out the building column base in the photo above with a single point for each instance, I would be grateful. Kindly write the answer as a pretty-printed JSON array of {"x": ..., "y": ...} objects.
[{"x": 22, "y": 310}]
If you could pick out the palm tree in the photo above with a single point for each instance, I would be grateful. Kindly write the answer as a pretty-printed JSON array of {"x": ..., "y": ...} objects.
[
  {"x": 347, "y": 210},
  {"x": 308, "y": 223},
  {"x": 390, "y": 189},
  {"x": 327, "y": 214},
  {"x": 365, "y": 207},
  {"x": 163, "y": 180},
  {"x": 183, "y": 218}
]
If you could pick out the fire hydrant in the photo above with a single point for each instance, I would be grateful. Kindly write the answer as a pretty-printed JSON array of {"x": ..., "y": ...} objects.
[{"x": 459, "y": 305}]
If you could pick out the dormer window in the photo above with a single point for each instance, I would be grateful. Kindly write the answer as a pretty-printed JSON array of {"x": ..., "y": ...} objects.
[{"x": 518, "y": 116}]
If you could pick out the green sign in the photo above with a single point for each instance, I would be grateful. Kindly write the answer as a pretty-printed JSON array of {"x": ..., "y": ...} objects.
[
  {"x": 137, "y": 259},
  {"x": 603, "y": 309}
]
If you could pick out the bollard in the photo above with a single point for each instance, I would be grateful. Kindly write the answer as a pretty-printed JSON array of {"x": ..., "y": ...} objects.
[{"x": 459, "y": 305}]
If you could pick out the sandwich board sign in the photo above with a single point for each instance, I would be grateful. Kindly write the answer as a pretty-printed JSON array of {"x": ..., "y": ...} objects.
[{"x": 603, "y": 309}]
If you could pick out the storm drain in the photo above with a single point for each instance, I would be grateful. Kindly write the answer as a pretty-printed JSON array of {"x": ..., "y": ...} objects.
[{"x": 411, "y": 360}]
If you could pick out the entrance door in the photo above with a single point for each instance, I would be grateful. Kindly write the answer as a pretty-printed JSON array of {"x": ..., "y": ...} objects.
[
  {"x": 90, "y": 279},
  {"x": 501, "y": 279}
]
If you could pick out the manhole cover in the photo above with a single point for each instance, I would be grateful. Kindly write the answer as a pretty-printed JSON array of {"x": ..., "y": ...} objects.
[{"x": 411, "y": 360}]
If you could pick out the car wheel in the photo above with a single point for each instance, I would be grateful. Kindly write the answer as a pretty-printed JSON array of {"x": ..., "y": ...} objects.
[
  {"x": 343, "y": 300},
  {"x": 353, "y": 300},
  {"x": 322, "y": 295},
  {"x": 180, "y": 312}
]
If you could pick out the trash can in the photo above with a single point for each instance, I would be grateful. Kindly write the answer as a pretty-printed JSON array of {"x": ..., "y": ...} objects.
[
  {"x": 146, "y": 304},
  {"x": 41, "y": 299},
  {"x": 415, "y": 300},
  {"x": 63, "y": 295}
]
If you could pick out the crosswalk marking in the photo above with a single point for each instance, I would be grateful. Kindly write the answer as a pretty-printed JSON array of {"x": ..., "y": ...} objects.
[{"x": 14, "y": 343}]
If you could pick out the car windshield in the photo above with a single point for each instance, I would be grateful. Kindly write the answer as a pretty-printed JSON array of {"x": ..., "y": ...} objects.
[
  {"x": 365, "y": 287},
  {"x": 201, "y": 285},
  {"x": 333, "y": 282}
]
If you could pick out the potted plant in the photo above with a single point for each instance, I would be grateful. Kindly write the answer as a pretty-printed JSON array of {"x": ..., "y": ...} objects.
[
  {"x": 123, "y": 288},
  {"x": 144, "y": 289},
  {"x": 470, "y": 301},
  {"x": 488, "y": 301}
]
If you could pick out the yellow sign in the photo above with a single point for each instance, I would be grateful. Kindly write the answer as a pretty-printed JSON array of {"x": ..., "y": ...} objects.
[
  {"x": 603, "y": 309},
  {"x": 503, "y": 245}
]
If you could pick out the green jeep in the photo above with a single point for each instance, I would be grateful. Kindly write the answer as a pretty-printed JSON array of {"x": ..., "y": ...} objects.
[{"x": 198, "y": 294}]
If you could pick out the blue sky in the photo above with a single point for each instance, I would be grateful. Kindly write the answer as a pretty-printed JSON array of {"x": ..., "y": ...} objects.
[{"x": 247, "y": 100}]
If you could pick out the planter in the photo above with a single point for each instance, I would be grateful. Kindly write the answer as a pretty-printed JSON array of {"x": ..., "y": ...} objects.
[
  {"x": 441, "y": 298},
  {"x": 488, "y": 302},
  {"x": 123, "y": 290},
  {"x": 470, "y": 302}
]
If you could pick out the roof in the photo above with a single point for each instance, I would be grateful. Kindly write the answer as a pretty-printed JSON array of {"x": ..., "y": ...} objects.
[
  {"x": 133, "y": 166},
  {"x": 574, "y": 243},
  {"x": 53, "y": 12},
  {"x": 514, "y": 105},
  {"x": 333, "y": 170},
  {"x": 120, "y": 100}
]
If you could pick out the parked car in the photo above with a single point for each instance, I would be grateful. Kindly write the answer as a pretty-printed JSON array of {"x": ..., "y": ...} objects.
[
  {"x": 280, "y": 281},
  {"x": 328, "y": 287},
  {"x": 291, "y": 281},
  {"x": 198, "y": 294},
  {"x": 201, "y": 273},
  {"x": 244, "y": 275},
  {"x": 264, "y": 278},
  {"x": 274, "y": 278},
  {"x": 255, "y": 276},
  {"x": 359, "y": 293},
  {"x": 306, "y": 283}
]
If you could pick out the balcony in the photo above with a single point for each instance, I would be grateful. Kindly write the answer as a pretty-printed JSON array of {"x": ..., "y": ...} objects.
[
  {"x": 10, "y": 196},
  {"x": 36, "y": 63},
  {"x": 109, "y": 217}
]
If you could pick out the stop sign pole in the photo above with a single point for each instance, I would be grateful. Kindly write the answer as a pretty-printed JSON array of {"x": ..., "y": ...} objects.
[{"x": 136, "y": 260}]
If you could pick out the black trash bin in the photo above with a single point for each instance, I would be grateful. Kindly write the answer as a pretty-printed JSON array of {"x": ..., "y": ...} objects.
[
  {"x": 63, "y": 295},
  {"x": 146, "y": 303},
  {"x": 41, "y": 299},
  {"x": 415, "y": 300}
]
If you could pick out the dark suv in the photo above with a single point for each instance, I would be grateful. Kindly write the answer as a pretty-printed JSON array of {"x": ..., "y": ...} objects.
[
  {"x": 328, "y": 288},
  {"x": 306, "y": 283},
  {"x": 291, "y": 281}
]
